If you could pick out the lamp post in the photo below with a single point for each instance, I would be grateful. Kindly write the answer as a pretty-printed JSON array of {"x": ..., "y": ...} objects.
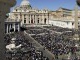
[{"x": 5, "y": 6}]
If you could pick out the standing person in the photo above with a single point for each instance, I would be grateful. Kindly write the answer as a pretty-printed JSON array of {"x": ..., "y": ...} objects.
[
  {"x": 73, "y": 53},
  {"x": 56, "y": 52}
]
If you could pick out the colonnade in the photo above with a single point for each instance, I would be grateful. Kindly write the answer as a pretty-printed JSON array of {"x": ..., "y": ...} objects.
[
  {"x": 34, "y": 19},
  {"x": 14, "y": 26}
]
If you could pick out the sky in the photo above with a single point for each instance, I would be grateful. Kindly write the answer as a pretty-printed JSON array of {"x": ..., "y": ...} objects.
[{"x": 51, "y": 4}]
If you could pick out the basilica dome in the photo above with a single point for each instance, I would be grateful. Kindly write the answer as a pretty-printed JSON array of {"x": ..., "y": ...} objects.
[{"x": 24, "y": 3}]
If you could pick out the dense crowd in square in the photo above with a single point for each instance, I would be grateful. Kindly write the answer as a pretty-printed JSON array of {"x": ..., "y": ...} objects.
[
  {"x": 58, "y": 41},
  {"x": 23, "y": 50}
]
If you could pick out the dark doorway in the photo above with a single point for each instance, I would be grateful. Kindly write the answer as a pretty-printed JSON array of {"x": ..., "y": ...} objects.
[
  {"x": 31, "y": 21},
  {"x": 45, "y": 21},
  {"x": 38, "y": 21}
]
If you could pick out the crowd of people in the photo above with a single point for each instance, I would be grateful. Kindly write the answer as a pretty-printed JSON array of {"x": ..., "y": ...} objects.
[
  {"x": 20, "y": 48},
  {"x": 35, "y": 30},
  {"x": 58, "y": 44}
]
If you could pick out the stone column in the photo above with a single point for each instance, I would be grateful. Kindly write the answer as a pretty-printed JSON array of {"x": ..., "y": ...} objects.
[
  {"x": 4, "y": 9},
  {"x": 22, "y": 19},
  {"x": 14, "y": 27},
  {"x": 7, "y": 28},
  {"x": 48, "y": 18},
  {"x": 10, "y": 28},
  {"x": 18, "y": 27},
  {"x": 30, "y": 19},
  {"x": 36, "y": 19},
  {"x": 43, "y": 19},
  {"x": 27, "y": 19}
]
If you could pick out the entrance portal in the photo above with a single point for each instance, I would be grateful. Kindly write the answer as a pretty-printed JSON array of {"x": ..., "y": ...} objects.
[
  {"x": 32, "y": 21},
  {"x": 45, "y": 21}
]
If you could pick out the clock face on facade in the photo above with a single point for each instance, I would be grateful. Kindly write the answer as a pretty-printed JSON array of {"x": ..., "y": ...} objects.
[{"x": 78, "y": 2}]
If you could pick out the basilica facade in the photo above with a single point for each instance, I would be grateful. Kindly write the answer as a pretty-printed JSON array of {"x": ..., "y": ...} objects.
[{"x": 27, "y": 15}]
